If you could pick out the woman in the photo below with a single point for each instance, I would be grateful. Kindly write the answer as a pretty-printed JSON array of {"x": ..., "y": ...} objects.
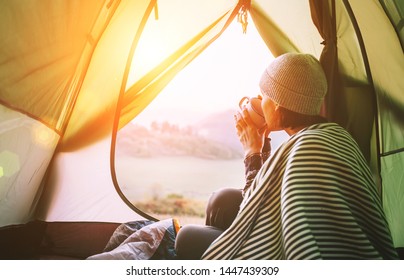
[{"x": 314, "y": 198}]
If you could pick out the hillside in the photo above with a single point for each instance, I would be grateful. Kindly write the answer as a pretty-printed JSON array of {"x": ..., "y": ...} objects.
[{"x": 212, "y": 138}]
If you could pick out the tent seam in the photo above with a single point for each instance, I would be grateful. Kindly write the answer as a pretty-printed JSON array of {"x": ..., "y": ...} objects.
[{"x": 32, "y": 116}]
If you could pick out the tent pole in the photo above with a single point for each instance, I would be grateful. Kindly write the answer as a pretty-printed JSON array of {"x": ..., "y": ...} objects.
[{"x": 138, "y": 33}]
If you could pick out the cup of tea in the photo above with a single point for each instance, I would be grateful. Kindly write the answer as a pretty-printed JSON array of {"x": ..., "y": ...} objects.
[{"x": 253, "y": 106}]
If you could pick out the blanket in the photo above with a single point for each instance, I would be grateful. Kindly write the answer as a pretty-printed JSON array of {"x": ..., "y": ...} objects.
[
  {"x": 314, "y": 198},
  {"x": 141, "y": 240}
]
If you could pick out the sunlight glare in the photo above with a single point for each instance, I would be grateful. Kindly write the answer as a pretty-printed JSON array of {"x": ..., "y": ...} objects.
[
  {"x": 43, "y": 136},
  {"x": 164, "y": 36},
  {"x": 9, "y": 164},
  {"x": 215, "y": 81}
]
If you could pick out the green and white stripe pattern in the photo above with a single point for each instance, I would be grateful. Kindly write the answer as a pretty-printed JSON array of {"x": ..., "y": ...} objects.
[{"x": 315, "y": 198}]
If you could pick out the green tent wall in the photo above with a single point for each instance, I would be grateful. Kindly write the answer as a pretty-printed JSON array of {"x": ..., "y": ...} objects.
[{"x": 72, "y": 73}]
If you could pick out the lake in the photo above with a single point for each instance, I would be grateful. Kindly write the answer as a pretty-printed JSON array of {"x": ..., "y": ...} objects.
[{"x": 190, "y": 177}]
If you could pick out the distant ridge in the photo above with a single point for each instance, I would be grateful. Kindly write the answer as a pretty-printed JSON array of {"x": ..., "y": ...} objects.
[{"x": 212, "y": 138}]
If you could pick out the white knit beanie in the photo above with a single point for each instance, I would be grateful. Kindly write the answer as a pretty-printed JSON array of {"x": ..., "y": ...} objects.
[{"x": 296, "y": 82}]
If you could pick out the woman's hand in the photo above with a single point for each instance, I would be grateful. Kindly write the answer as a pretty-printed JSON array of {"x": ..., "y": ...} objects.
[{"x": 251, "y": 138}]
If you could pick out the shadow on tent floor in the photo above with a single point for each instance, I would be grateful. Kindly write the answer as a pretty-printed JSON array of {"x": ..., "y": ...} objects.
[{"x": 54, "y": 240}]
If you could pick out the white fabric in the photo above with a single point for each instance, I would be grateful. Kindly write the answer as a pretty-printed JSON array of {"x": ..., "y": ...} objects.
[
  {"x": 26, "y": 148},
  {"x": 81, "y": 188}
]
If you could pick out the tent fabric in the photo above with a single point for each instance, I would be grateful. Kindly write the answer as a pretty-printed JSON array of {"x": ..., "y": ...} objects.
[
  {"x": 395, "y": 11},
  {"x": 26, "y": 148},
  {"x": 40, "y": 52},
  {"x": 277, "y": 41},
  {"x": 386, "y": 63},
  {"x": 72, "y": 68},
  {"x": 104, "y": 76},
  {"x": 324, "y": 19},
  {"x": 79, "y": 188},
  {"x": 41, "y": 57},
  {"x": 292, "y": 33}
]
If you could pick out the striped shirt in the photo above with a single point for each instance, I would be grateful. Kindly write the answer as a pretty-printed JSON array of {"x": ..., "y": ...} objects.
[{"x": 314, "y": 198}]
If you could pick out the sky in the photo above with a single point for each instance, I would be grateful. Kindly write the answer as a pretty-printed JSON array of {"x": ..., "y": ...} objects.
[{"x": 216, "y": 80}]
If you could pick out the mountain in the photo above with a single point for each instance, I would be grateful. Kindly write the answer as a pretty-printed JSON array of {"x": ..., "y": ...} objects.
[{"x": 220, "y": 127}]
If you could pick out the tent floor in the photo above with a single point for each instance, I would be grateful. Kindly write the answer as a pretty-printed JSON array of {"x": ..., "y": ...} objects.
[
  {"x": 54, "y": 240},
  {"x": 39, "y": 240}
]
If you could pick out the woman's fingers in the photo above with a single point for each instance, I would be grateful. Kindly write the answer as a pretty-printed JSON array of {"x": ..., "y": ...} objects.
[
  {"x": 264, "y": 131},
  {"x": 240, "y": 122},
  {"x": 247, "y": 118}
]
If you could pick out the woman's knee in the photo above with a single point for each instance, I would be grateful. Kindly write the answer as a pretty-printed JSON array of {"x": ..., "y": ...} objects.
[
  {"x": 223, "y": 207},
  {"x": 193, "y": 240}
]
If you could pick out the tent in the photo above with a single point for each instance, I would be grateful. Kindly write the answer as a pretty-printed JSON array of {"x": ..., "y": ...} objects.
[{"x": 73, "y": 73}]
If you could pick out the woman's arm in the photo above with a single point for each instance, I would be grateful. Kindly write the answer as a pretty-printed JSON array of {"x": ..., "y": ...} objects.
[{"x": 253, "y": 163}]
